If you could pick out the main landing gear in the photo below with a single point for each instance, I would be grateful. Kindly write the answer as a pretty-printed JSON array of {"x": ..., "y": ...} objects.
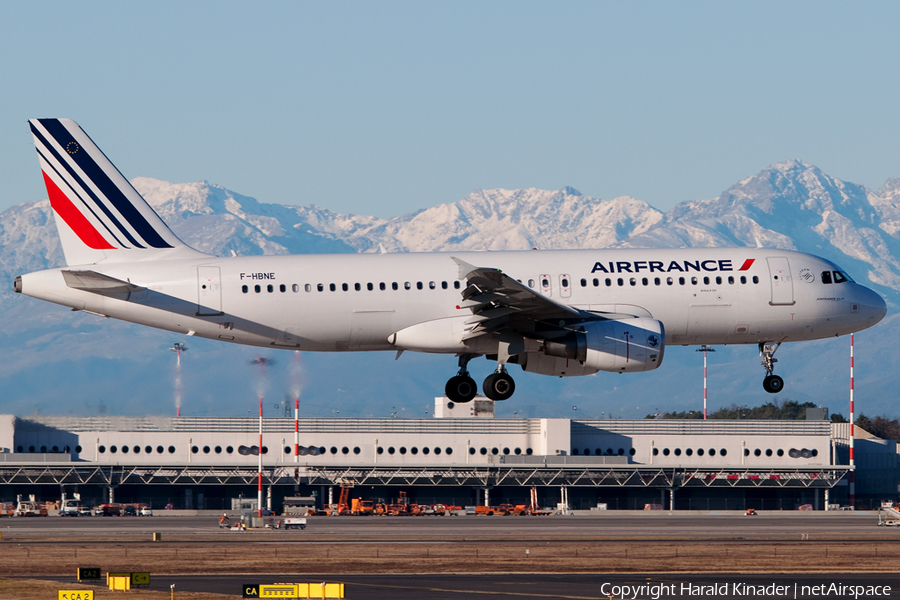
[
  {"x": 461, "y": 388},
  {"x": 771, "y": 383}
]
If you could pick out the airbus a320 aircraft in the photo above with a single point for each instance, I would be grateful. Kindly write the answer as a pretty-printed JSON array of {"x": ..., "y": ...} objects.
[{"x": 559, "y": 313}]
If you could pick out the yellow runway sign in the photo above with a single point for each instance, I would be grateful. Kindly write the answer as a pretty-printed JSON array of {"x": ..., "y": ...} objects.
[{"x": 76, "y": 595}]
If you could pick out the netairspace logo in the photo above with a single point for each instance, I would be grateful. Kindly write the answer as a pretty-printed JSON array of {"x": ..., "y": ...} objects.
[{"x": 656, "y": 591}]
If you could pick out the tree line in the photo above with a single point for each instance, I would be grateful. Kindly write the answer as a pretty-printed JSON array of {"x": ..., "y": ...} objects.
[{"x": 789, "y": 410}]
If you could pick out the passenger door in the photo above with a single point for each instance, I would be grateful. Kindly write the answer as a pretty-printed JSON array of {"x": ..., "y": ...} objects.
[{"x": 780, "y": 278}]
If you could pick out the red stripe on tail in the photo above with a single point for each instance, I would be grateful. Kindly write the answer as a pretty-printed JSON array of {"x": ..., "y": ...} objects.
[{"x": 76, "y": 221}]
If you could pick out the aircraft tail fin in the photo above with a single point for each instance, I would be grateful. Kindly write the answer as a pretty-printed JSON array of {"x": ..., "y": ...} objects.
[{"x": 99, "y": 215}]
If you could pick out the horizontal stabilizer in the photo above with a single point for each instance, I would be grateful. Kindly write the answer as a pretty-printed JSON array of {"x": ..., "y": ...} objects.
[{"x": 97, "y": 283}]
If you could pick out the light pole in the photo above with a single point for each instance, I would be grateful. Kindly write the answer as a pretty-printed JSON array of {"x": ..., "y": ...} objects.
[
  {"x": 704, "y": 349},
  {"x": 178, "y": 348}
]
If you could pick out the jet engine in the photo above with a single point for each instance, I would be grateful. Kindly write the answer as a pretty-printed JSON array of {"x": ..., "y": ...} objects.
[{"x": 629, "y": 346}]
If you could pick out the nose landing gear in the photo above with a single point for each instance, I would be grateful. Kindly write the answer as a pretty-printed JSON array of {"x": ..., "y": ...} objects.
[{"x": 771, "y": 383}]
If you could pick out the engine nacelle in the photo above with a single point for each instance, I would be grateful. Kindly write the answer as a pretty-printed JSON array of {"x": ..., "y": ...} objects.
[{"x": 629, "y": 346}]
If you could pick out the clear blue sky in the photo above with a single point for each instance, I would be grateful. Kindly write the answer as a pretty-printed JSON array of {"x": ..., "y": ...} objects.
[{"x": 386, "y": 107}]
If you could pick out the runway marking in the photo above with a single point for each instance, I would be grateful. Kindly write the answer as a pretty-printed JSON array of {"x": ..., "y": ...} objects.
[{"x": 485, "y": 592}]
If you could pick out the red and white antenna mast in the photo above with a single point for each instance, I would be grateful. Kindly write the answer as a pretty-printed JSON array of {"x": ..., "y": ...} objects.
[
  {"x": 852, "y": 418},
  {"x": 178, "y": 348}
]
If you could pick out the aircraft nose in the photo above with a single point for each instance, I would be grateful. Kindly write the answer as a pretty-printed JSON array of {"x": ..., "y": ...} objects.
[{"x": 873, "y": 305}]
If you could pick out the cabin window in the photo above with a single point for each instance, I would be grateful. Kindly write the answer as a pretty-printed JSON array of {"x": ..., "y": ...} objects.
[
  {"x": 706, "y": 281},
  {"x": 743, "y": 280},
  {"x": 584, "y": 283},
  {"x": 456, "y": 285},
  {"x": 531, "y": 283},
  {"x": 632, "y": 281},
  {"x": 718, "y": 281},
  {"x": 432, "y": 285},
  {"x": 419, "y": 285},
  {"x": 257, "y": 289},
  {"x": 444, "y": 285},
  {"x": 282, "y": 288},
  {"x": 670, "y": 281},
  {"x": 755, "y": 279},
  {"x": 645, "y": 281},
  {"x": 693, "y": 281},
  {"x": 596, "y": 282},
  {"x": 382, "y": 286},
  {"x": 395, "y": 286},
  {"x": 345, "y": 287},
  {"x": 245, "y": 289},
  {"x": 407, "y": 285},
  {"x": 730, "y": 280},
  {"x": 332, "y": 287},
  {"x": 656, "y": 281},
  {"x": 357, "y": 287}
]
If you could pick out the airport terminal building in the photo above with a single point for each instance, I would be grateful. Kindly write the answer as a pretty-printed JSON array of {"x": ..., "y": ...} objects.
[{"x": 462, "y": 457}]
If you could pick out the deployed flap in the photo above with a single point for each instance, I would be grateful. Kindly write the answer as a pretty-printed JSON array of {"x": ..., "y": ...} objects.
[
  {"x": 91, "y": 281},
  {"x": 497, "y": 298}
]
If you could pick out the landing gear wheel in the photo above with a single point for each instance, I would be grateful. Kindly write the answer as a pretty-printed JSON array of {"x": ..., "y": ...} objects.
[
  {"x": 773, "y": 384},
  {"x": 498, "y": 386},
  {"x": 461, "y": 388}
]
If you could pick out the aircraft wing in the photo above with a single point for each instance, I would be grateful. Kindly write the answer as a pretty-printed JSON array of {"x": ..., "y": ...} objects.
[
  {"x": 98, "y": 283},
  {"x": 497, "y": 301}
]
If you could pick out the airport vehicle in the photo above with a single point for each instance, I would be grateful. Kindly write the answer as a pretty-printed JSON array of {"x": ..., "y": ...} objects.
[
  {"x": 71, "y": 507},
  {"x": 108, "y": 510},
  {"x": 362, "y": 506},
  {"x": 294, "y": 523},
  {"x": 889, "y": 514},
  {"x": 557, "y": 313},
  {"x": 129, "y": 511},
  {"x": 29, "y": 508},
  {"x": 146, "y": 511}
]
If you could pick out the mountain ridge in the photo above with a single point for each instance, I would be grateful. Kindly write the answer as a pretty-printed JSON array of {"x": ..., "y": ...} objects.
[{"x": 790, "y": 205}]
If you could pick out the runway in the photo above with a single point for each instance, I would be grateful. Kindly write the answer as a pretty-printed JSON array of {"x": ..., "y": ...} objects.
[
  {"x": 475, "y": 557},
  {"x": 613, "y": 527}
]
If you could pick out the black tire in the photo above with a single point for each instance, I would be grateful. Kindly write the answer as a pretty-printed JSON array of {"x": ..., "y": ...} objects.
[
  {"x": 499, "y": 386},
  {"x": 773, "y": 384},
  {"x": 461, "y": 388}
]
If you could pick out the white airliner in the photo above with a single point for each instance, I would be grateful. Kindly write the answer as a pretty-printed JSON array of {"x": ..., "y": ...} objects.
[{"x": 560, "y": 313}]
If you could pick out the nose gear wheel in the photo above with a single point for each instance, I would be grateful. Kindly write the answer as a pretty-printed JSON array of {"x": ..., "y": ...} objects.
[{"x": 771, "y": 383}]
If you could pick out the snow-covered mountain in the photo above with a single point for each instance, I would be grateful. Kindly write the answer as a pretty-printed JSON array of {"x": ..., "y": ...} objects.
[{"x": 787, "y": 205}]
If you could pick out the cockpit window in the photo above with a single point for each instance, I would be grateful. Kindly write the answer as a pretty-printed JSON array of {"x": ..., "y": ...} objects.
[{"x": 835, "y": 277}]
